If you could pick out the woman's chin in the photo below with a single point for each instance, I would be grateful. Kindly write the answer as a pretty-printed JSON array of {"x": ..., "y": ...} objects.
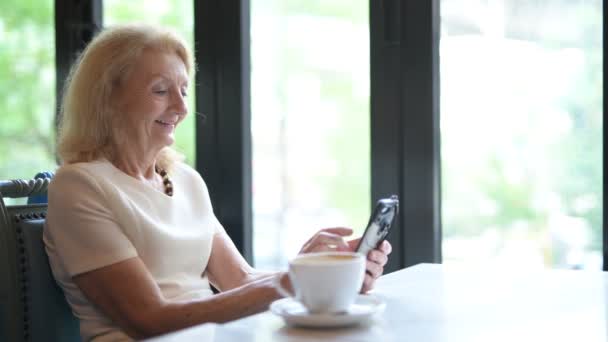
[{"x": 166, "y": 141}]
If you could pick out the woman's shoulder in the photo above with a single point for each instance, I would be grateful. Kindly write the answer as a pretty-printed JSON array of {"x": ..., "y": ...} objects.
[
  {"x": 95, "y": 166},
  {"x": 188, "y": 176},
  {"x": 185, "y": 171},
  {"x": 88, "y": 172}
]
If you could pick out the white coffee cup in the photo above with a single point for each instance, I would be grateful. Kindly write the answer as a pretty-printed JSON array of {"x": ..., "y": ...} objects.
[{"x": 326, "y": 282}]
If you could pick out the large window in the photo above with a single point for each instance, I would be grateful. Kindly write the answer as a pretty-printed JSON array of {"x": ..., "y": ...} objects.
[
  {"x": 521, "y": 119},
  {"x": 310, "y": 122},
  {"x": 27, "y": 88},
  {"x": 521, "y": 132},
  {"x": 175, "y": 14}
]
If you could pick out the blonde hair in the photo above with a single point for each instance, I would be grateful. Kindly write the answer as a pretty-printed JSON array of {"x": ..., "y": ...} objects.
[{"x": 88, "y": 124}]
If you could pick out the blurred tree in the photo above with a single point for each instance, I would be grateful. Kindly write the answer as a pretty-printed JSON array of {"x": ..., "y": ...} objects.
[
  {"x": 346, "y": 181},
  {"x": 579, "y": 178},
  {"x": 27, "y": 88},
  {"x": 556, "y": 148}
]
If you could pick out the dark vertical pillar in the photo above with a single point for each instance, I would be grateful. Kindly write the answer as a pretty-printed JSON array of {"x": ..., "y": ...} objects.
[
  {"x": 76, "y": 22},
  {"x": 223, "y": 137},
  {"x": 405, "y": 123},
  {"x": 605, "y": 110}
]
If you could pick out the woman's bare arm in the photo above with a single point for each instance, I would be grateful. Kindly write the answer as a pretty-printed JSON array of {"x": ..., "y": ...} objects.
[
  {"x": 227, "y": 269},
  {"x": 127, "y": 293}
]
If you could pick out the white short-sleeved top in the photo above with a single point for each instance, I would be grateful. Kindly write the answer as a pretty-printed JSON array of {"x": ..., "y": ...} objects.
[{"x": 98, "y": 216}]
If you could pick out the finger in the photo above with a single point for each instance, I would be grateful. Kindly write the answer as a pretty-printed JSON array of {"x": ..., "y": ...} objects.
[
  {"x": 368, "y": 283},
  {"x": 377, "y": 256},
  {"x": 373, "y": 269},
  {"x": 386, "y": 247},
  {"x": 324, "y": 248},
  {"x": 352, "y": 244},
  {"x": 324, "y": 241},
  {"x": 330, "y": 239},
  {"x": 285, "y": 282},
  {"x": 342, "y": 231}
]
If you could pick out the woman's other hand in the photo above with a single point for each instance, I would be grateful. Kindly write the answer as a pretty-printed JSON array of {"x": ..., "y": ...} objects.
[
  {"x": 376, "y": 259},
  {"x": 328, "y": 239}
]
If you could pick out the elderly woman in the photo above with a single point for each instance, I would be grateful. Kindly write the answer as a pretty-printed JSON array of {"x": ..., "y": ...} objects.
[{"x": 130, "y": 233}]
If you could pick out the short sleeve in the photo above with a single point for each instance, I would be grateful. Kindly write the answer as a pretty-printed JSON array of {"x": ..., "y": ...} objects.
[
  {"x": 81, "y": 225},
  {"x": 201, "y": 196},
  {"x": 217, "y": 226}
]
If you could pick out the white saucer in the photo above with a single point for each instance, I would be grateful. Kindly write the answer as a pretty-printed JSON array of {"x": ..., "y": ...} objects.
[{"x": 294, "y": 313}]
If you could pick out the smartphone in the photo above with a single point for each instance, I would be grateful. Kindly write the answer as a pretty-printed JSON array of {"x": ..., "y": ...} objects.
[{"x": 379, "y": 224}]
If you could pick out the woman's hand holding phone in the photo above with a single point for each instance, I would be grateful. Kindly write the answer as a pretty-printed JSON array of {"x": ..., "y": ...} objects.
[
  {"x": 376, "y": 259},
  {"x": 372, "y": 244}
]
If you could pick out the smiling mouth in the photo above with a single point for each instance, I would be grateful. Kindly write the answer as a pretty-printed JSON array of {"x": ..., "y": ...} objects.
[{"x": 165, "y": 123}]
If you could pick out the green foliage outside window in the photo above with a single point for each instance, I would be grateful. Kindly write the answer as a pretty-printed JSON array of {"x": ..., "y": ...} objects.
[
  {"x": 27, "y": 88},
  {"x": 28, "y": 106}
]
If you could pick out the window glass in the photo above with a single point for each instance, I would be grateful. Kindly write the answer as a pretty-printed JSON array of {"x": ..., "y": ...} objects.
[
  {"x": 175, "y": 14},
  {"x": 27, "y": 88},
  {"x": 310, "y": 122},
  {"x": 521, "y": 132}
]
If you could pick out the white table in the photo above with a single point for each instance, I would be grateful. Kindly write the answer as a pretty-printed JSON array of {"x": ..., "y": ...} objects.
[{"x": 431, "y": 302}]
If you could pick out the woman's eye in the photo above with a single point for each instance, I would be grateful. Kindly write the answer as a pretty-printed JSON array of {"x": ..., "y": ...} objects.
[
  {"x": 160, "y": 91},
  {"x": 184, "y": 93}
]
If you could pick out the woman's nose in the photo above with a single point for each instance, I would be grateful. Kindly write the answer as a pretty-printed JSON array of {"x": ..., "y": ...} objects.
[{"x": 180, "y": 105}]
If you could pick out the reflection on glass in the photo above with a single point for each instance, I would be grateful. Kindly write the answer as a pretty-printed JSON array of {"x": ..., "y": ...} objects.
[
  {"x": 27, "y": 88},
  {"x": 521, "y": 132},
  {"x": 175, "y": 14},
  {"x": 310, "y": 122}
]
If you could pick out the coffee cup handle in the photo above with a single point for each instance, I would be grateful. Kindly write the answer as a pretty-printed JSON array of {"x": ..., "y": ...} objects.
[{"x": 280, "y": 289}]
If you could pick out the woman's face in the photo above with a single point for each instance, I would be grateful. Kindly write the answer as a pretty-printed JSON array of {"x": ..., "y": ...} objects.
[{"x": 152, "y": 102}]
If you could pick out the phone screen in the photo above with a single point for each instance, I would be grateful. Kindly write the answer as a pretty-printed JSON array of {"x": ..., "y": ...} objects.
[{"x": 379, "y": 224}]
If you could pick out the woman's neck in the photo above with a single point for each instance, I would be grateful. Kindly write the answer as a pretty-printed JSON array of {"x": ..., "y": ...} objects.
[{"x": 140, "y": 166}]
